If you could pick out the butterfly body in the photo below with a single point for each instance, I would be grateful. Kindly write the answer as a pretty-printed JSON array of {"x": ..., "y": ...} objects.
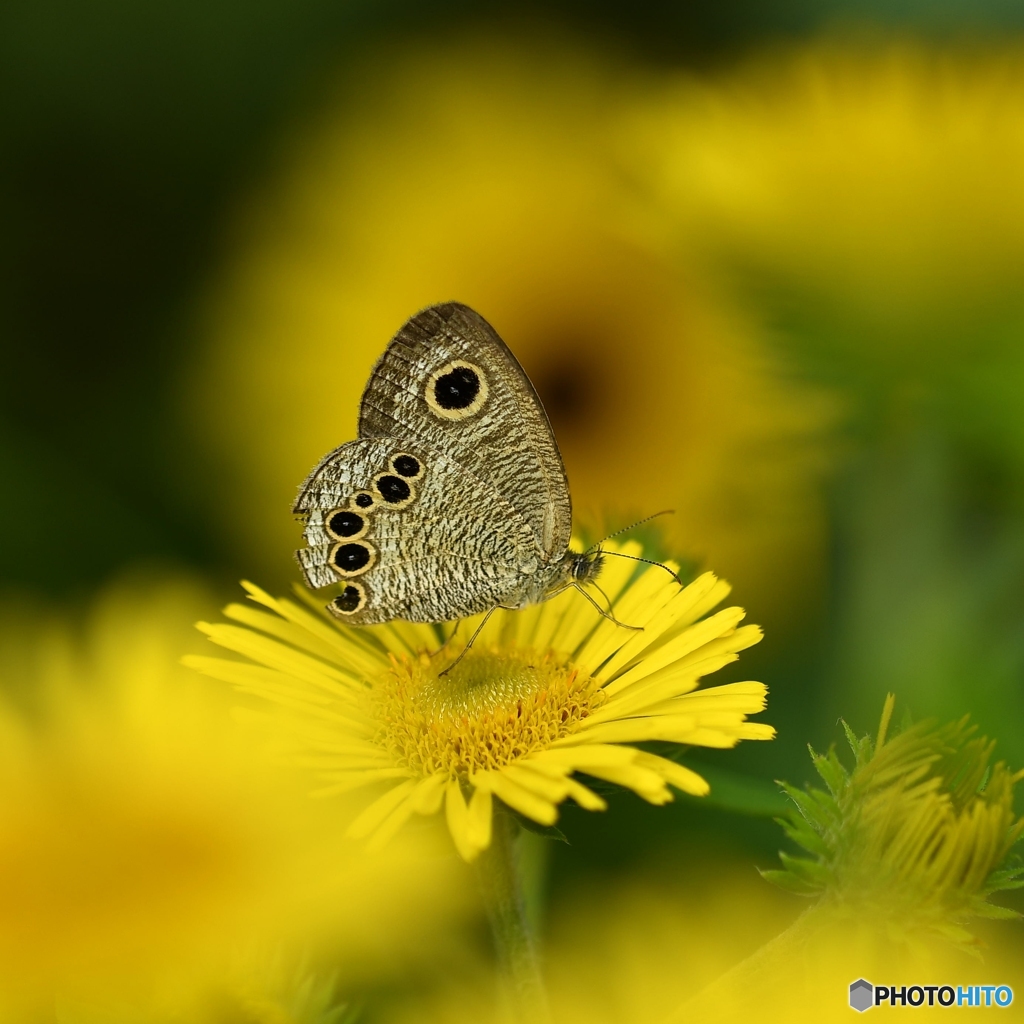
[{"x": 453, "y": 500}]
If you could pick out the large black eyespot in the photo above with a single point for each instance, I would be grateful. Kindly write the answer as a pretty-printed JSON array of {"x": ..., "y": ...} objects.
[
  {"x": 393, "y": 489},
  {"x": 350, "y": 600},
  {"x": 406, "y": 465},
  {"x": 350, "y": 559},
  {"x": 345, "y": 523},
  {"x": 363, "y": 499},
  {"x": 457, "y": 389}
]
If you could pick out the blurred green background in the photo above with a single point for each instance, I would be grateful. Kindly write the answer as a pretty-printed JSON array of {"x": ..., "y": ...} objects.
[{"x": 763, "y": 259}]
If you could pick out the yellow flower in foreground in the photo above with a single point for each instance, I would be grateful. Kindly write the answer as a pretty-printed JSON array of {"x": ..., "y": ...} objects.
[
  {"x": 545, "y": 692},
  {"x": 145, "y": 841}
]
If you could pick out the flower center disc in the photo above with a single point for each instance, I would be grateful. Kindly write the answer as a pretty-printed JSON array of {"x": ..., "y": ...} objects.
[{"x": 490, "y": 709}]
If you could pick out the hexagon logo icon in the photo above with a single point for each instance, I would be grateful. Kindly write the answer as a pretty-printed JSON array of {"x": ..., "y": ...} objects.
[{"x": 862, "y": 995}]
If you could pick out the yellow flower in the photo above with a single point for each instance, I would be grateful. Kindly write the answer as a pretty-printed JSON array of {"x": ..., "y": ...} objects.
[
  {"x": 545, "y": 693},
  {"x": 144, "y": 837},
  {"x": 877, "y": 186}
]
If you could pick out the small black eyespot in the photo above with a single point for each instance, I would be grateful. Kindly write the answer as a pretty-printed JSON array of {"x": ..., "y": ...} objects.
[
  {"x": 351, "y": 557},
  {"x": 345, "y": 523},
  {"x": 364, "y": 500},
  {"x": 348, "y": 600},
  {"x": 457, "y": 389},
  {"x": 406, "y": 465},
  {"x": 393, "y": 489}
]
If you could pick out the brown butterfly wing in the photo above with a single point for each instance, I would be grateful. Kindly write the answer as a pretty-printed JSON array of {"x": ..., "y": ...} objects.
[
  {"x": 448, "y": 548},
  {"x": 495, "y": 427}
]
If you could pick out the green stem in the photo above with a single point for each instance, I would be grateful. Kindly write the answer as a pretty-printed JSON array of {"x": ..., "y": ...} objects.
[{"x": 502, "y": 888}]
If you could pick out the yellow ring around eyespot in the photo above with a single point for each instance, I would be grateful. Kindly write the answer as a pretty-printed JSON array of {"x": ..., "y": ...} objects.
[
  {"x": 457, "y": 414},
  {"x": 349, "y": 573},
  {"x": 360, "y": 533},
  {"x": 409, "y": 455},
  {"x": 394, "y": 505},
  {"x": 375, "y": 499},
  {"x": 338, "y": 612}
]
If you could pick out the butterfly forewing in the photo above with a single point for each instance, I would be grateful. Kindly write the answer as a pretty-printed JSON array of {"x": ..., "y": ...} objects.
[{"x": 449, "y": 382}]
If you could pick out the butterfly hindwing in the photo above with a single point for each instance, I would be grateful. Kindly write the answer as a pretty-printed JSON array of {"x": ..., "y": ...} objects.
[
  {"x": 409, "y": 533},
  {"x": 447, "y": 381}
]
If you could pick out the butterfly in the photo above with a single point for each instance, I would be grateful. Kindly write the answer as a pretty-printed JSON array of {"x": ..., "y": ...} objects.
[{"x": 454, "y": 498}]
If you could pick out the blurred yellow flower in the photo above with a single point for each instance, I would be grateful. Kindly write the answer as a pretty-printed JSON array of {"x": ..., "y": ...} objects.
[
  {"x": 706, "y": 942},
  {"x": 545, "y": 692},
  {"x": 486, "y": 171},
  {"x": 143, "y": 838},
  {"x": 880, "y": 186},
  {"x": 633, "y": 954}
]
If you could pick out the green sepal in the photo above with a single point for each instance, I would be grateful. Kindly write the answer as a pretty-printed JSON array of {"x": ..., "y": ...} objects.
[
  {"x": 547, "y": 831},
  {"x": 813, "y": 871},
  {"x": 832, "y": 772},
  {"x": 789, "y": 882}
]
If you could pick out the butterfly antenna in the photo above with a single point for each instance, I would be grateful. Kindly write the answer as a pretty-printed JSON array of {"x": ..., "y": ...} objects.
[
  {"x": 626, "y": 529},
  {"x": 649, "y": 561},
  {"x": 472, "y": 639},
  {"x": 607, "y": 615}
]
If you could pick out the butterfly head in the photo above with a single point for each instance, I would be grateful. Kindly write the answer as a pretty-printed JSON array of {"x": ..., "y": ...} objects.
[{"x": 584, "y": 566}]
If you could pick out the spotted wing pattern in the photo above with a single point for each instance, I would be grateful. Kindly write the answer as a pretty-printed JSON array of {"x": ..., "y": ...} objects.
[
  {"x": 443, "y": 546},
  {"x": 507, "y": 442}
]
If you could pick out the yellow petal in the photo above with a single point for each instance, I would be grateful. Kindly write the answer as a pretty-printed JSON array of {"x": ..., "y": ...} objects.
[
  {"x": 645, "y": 783},
  {"x": 748, "y": 698},
  {"x": 266, "y": 651},
  {"x": 379, "y": 810},
  {"x": 682, "y": 609},
  {"x": 517, "y": 797},
  {"x": 575, "y": 752},
  {"x": 637, "y": 607},
  {"x": 352, "y": 645},
  {"x": 480, "y": 818},
  {"x": 388, "y": 828},
  {"x": 288, "y": 632},
  {"x": 547, "y": 786},
  {"x": 688, "y": 641},
  {"x": 429, "y": 794},
  {"x": 353, "y": 780},
  {"x": 679, "y": 776},
  {"x": 634, "y": 730},
  {"x": 586, "y": 798},
  {"x": 458, "y": 821}
]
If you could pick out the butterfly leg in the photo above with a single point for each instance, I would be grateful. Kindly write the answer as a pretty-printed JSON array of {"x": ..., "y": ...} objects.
[
  {"x": 447, "y": 641},
  {"x": 608, "y": 615},
  {"x": 472, "y": 639}
]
